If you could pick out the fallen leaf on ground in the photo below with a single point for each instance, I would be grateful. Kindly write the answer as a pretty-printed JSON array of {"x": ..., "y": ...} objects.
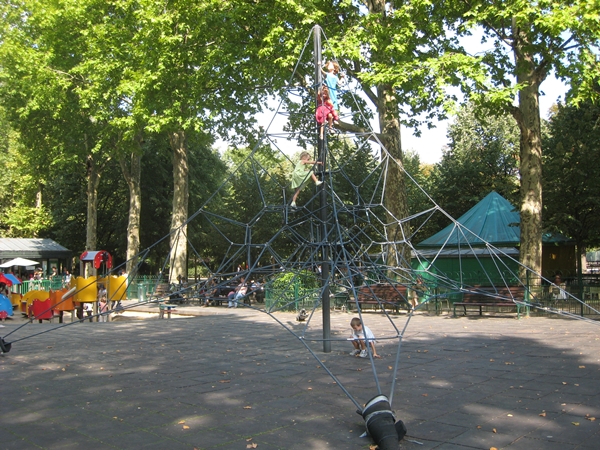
[
  {"x": 494, "y": 430},
  {"x": 181, "y": 421},
  {"x": 224, "y": 381},
  {"x": 185, "y": 427},
  {"x": 248, "y": 407},
  {"x": 591, "y": 419},
  {"x": 575, "y": 423},
  {"x": 253, "y": 445},
  {"x": 543, "y": 414}
]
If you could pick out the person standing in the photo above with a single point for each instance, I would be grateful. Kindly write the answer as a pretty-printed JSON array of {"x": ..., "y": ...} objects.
[
  {"x": 102, "y": 303},
  {"x": 332, "y": 81}
]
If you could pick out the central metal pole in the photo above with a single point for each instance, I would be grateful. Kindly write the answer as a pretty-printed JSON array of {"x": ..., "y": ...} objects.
[{"x": 322, "y": 157}]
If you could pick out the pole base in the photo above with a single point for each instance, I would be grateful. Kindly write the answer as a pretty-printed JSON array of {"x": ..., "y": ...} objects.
[
  {"x": 4, "y": 346},
  {"x": 381, "y": 423}
]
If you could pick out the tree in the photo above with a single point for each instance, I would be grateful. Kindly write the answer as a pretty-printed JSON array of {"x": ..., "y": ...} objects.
[
  {"x": 571, "y": 193},
  {"x": 193, "y": 74},
  {"x": 482, "y": 157},
  {"x": 22, "y": 213},
  {"x": 378, "y": 44},
  {"x": 529, "y": 40},
  {"x": 41, "y": 46}
]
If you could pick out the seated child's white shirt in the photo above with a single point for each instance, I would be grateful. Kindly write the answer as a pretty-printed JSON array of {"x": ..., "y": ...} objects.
[{"x": 366, "y": 331}]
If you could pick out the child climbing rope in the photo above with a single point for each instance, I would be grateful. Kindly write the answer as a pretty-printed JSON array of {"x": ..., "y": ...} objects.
[
  {"x": 332, "y": 81},
  {"x": 301, "y": 173},
  {"x": 325, "y": 110}
]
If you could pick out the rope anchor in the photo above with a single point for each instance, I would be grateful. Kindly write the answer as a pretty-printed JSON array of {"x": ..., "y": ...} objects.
[{"x": 4, "y": 346}]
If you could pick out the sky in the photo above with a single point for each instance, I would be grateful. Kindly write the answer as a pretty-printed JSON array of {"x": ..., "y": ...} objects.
[
  {"x": 429, "y": 146},
  {"x": 432, "y": 141}
]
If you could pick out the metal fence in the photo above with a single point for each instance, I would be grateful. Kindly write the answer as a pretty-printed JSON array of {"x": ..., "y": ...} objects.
[{"x": 140, "y": 287}]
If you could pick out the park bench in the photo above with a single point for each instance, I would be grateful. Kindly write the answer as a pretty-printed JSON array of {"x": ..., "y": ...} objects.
[
  {"x": 382, "y": 295},
  {"x": 221, "y": 295},
  {"x": 161, "y": 290},
  {"x": 491, "y": 297}
]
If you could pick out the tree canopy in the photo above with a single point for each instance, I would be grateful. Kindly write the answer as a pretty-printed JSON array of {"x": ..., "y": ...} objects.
[{"x": 90, "y": 84}]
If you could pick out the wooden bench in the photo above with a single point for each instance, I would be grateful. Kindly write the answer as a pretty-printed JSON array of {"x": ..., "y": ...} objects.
[
  {"x": 380, "y": 295},
  {"x": 162, "y": 290},
  {"x": 488, "y": 296}
]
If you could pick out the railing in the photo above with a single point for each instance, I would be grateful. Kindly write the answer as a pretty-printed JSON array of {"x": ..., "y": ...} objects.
[
  {"x": 38, "y": 285},
  {"x": 293, "y": 298},
  {"x": 139, "y": 287}
]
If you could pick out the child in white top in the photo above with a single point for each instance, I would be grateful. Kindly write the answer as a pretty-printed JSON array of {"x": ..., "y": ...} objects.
[{"x": 360, "y": 334}]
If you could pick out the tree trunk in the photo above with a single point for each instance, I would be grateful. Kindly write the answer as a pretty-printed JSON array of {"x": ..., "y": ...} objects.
[
  {"x": 527, "y": 116},
  {"x": 132, "y": 175},
  {"x": 38, "y": 196},
  {"x": 395, "y": 201},
  {"x": 531, "y": 179},
  {"x": 93, "y": 180},
  {"x": 180, "y": 206}
]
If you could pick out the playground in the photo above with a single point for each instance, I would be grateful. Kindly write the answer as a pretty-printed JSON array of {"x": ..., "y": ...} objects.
[{"x": 212, "y": 381}]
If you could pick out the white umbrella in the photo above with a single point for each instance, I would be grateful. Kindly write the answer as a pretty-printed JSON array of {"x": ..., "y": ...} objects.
[{"x": 19, "y": 262}]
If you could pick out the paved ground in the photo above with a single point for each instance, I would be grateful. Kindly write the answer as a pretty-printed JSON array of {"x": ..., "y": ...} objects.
[{"x": 236, "y": 379}]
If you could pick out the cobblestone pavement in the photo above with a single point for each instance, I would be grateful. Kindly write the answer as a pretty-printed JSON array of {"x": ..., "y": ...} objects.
[{"x": 218, "y": 378}]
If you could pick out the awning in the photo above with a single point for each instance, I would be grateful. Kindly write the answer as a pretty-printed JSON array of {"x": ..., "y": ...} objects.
[
  {"x": 12, "y": 278},
  {"x": 19, "y": 262}
]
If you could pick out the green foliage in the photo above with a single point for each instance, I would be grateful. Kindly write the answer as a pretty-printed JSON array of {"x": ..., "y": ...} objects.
[
  {"x": 571, "y": 193},
  {"x": 303, "y": 279},
  {"x": 482, "y": 157},
  {"x": 21, "y": 215},
  {"x": 293, "y": 290}
]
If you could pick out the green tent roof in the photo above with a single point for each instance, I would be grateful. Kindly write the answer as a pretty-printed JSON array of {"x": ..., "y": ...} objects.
[{"x": 493, "y": 219}]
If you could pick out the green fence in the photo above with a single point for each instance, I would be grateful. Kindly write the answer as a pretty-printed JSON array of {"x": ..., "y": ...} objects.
[
  {"x": 39, "y": 285},
  {"x": 293, "y": 298},
  {"x": 140, "y": 287}
]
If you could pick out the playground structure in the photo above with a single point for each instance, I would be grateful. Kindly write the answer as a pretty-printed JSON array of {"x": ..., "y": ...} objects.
[
  {"x": 42, "y": 305},
  {"x": 358, "y": 247}
]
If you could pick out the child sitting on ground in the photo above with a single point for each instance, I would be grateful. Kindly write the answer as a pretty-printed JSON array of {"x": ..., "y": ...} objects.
[{"x": 361, "y": 333}]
